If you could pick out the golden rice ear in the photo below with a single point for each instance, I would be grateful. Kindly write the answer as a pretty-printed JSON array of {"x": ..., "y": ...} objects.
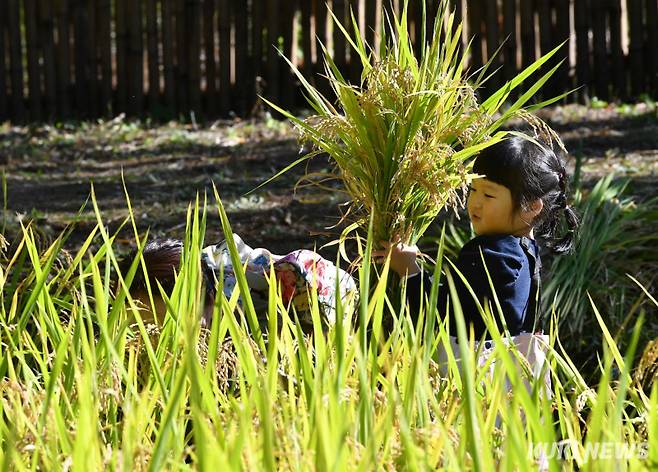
[
  {"x": 4, "y": 244},
  {"x": 647, "y": 369},
  {"x": 226, "y": 363},
  {"x": 403, "y": 135},
  {"x": 542, "y": 131}
]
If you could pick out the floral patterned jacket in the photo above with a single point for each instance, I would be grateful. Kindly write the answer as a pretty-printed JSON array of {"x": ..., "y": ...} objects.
[{"x": 297, "y": 274}]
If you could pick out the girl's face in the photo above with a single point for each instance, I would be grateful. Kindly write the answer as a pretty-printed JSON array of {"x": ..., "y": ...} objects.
[{"x": 492, "y": 210}]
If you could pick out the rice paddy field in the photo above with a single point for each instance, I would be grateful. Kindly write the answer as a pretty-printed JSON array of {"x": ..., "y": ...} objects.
[{"x": 87, "y": 385}]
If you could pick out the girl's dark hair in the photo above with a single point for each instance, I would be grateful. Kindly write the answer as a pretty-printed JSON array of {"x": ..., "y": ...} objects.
[{"x": 533, "y": 172}]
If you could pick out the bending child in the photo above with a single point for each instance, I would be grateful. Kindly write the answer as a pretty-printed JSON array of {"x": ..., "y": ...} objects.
[{"x": 296, "y": 272}]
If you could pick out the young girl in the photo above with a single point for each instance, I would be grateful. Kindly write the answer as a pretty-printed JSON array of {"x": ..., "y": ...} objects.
[{"x": 522, "y": 194}]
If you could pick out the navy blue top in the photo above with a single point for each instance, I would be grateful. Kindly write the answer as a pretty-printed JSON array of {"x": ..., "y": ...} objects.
[{"x": 513, "y": 264}]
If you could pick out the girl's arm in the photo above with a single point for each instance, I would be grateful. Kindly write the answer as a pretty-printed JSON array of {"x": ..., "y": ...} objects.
[
  {"x": 403, "y": 257},
  {"x": 420, "y": 286},
  {"x": 502, "y": 267},
  {"x": 403, "y": 262}
]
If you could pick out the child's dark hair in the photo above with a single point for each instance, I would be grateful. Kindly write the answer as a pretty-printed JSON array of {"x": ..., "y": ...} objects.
[
  {"x": 533, "y": 172},
  {"x": 162, "y": 258}
]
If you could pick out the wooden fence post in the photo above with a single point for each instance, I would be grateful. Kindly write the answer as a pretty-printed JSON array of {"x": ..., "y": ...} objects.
[
  {"x": 122, "y": 65},
  {"x": 562, "y": 33},
  {"x": 62, "y": 64},
  {"x": 616, "y": 53},
  {"x": 168, "y": 57},
  {"x": 546, "y": 43},
  {"x": 152, "y": 55},
  {"x": 322, "y": 36},
  {"x": 338, "y": 8},
  {"x": 510, "y": 48},
  {"x": 353, "y": 8},
  {"x": 33, "y": 57},
  {"x": 182, "y": 59},
  {"x": 459, "y": 12},
  {"x": 209, "y": 57},
  {"x": 474, "y": 17},
  {"x": 242, "y": 79},
  {"x": 4, "y": 110},
  {"x": 286, "y": 19},
  {"x": 581, "y": 14},
  {"x": 16, "y": 61},
  {"x": 636, "y": 50},
  {"x": 104, "y": 22},
  {"x": 46, "y": 28},
  {"x": 193, "y": 50},
  {"x": 272, "y": 43},
  {"x": 415, "y": 19},
  {"x": 527, "y": 17},
  {"x": 224, "y": 57},
  {"x": 307, "y": 38},
  {"x": 92, "y": 57},
  {"x": 135, "y": 59},
  {"x": 257, "y": 12},
  {"x": 388, "y": 10},
  {"x": 372, "y": 10},
  {"x": 82, "y": 58},
  {"x": 251, "y": 60},
  {"x": 652, "y": 48},
  {"x": 432, "y": 13},
  {"x": 601, "y": 77},
  {"x": 493, "y": 43}
]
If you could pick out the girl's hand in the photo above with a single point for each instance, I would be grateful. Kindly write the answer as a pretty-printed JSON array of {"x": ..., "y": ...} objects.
[{"x": 403, "y": 257}]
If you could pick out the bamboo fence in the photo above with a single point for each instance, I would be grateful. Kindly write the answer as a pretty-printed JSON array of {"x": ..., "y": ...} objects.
[{"x": 201, "y": 59}]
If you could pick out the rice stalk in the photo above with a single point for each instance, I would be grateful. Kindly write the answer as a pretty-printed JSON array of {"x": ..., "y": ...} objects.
[{"x": 403, "y": 138}]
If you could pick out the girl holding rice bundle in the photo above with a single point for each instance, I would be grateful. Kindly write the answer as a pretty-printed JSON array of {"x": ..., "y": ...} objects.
[{"x": 522, "y": 193}]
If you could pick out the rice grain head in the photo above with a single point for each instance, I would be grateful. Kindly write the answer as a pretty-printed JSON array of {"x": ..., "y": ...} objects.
[{"x": 403, "y": 138}]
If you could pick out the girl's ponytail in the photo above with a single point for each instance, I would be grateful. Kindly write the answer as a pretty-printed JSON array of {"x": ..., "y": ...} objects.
[{"x": 566, "y": 243}]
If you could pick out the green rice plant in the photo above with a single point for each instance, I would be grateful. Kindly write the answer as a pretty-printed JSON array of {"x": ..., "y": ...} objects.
[
  {"x": 617, "y": 236},
  {"x": 85, "y": 384},
  {"x": 401, "y": 139}
]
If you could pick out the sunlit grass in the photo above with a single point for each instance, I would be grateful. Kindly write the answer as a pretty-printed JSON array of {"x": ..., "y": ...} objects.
[{"x": 87, "y": 385}]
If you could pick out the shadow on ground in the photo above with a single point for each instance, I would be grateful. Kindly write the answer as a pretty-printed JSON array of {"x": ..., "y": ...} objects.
[{"x": 50, "y": 170}]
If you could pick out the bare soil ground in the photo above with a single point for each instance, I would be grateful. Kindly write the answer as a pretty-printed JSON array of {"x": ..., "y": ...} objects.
[{"x": 50, "y": 169}]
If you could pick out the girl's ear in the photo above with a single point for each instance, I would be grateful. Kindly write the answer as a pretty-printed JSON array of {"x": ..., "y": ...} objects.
[{"x": 535, "y": 208}]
